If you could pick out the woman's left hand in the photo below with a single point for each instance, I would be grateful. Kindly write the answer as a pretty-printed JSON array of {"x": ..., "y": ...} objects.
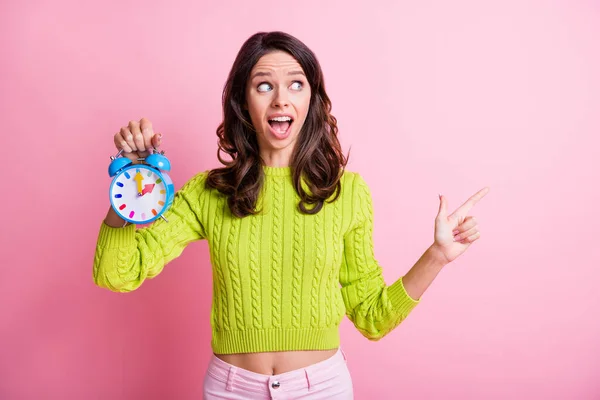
[{"x": 454, "y": 233}]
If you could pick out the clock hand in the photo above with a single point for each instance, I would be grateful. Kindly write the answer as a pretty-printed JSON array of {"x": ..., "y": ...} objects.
[
  {"x": 148, "y": 188},
  {"x": 139, "y": 178}
]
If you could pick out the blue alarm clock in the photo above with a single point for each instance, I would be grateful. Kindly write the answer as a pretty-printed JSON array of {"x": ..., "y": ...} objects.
[{"x": 140, "y": 193}]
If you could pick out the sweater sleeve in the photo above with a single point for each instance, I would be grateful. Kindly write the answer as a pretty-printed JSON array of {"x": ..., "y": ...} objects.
[
  {"x": 374, "y": 308},
  {"x": 125, "y": 257}
]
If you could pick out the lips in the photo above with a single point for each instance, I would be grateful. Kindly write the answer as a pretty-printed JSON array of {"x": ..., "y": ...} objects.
[
  {"x": 280, "y": 125},
  {"x": 280, "y": 130}
]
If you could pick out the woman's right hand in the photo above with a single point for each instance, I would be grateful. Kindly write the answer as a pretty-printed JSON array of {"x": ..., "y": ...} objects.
[{"x": 137, "y": 139}]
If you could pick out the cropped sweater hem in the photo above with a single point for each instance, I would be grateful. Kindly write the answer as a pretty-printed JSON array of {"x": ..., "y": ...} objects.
[{"x": 275, "y": 339}]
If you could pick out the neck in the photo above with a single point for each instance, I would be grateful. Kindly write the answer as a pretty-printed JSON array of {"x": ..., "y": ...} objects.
[{"x": 277, "y": 159}]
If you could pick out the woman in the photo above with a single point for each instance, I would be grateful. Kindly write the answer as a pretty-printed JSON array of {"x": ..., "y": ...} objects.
[{"x": 286, "y": 225}]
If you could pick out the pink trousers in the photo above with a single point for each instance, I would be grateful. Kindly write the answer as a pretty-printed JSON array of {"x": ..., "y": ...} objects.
[{"x": 328, "y": 379}]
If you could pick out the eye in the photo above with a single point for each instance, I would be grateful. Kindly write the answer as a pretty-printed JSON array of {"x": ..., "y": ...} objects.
[
  {"x": 263, "y": 87},
  {"x": 297, "y": 85}
]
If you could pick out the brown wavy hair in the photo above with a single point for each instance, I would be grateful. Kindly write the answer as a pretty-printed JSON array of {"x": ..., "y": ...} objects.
[{"x": 317, "y": 157}]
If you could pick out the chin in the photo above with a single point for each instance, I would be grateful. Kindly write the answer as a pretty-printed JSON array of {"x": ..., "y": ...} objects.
[{"x": 281, "y": 144}]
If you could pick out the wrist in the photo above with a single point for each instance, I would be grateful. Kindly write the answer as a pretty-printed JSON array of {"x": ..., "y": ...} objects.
[
  {"x": 437, "y": 256},
  {"x": 113, "y": 220}
]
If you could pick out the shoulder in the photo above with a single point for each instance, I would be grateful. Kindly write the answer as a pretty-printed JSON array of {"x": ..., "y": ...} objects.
[
  {"x": 353, "y": 181},
  {"x": 355, "y": 189},
  {"x": 196, "y": 184}
]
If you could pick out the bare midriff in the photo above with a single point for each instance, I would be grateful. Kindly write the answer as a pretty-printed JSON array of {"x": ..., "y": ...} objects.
[{"x": 275, "y": 363}]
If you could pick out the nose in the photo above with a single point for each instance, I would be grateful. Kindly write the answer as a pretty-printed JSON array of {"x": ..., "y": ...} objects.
[{"x": 280, "y": 99}]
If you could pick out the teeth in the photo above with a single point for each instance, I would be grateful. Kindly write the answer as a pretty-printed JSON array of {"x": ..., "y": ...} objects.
[{"x": 281, "y": 119}]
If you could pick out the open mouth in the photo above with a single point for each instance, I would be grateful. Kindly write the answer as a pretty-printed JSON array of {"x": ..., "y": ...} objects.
[{"x": 280, "y": 126}]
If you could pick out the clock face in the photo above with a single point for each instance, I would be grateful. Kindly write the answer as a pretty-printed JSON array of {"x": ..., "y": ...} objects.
[{"x": 138, "y": 194}]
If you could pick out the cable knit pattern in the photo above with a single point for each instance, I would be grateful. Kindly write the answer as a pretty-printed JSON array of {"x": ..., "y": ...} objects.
[
  {"x": 97, "y": 258},
  {"x": 337, "y": 219},
  {"x": 359, "y": 250},
  {"x": 255, "y": 274},
  {"x": 318, "y": 271},
  {"x": 222, "y": 296},
  {"x": 297, "y": 269},
  {"x": 235, "y": 273},
  {"x": 276, "y": 266},
  {"x": 274, "y": 284}
]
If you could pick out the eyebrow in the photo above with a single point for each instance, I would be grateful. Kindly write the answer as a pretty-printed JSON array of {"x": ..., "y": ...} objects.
[{"x": 297, "y": 72}]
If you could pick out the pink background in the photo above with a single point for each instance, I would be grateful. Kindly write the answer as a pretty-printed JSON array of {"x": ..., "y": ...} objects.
[{"x": 437, "y": 97}]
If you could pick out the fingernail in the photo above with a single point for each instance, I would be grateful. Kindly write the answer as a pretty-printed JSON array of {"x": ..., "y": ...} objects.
[{"x": 454, "y": 232}]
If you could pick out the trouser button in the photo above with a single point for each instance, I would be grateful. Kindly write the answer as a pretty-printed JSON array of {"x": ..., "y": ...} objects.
[{"x": 275, "y": 384}]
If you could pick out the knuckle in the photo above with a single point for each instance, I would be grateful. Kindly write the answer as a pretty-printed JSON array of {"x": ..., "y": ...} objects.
[
  {"x": 474, "y": 237},
  {"x": 146, "y": 126}
]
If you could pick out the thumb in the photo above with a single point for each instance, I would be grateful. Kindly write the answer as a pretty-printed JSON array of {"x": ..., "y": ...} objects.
[
  {"x": 442, "y": 211},
  {"x": 157, "y": 140}
]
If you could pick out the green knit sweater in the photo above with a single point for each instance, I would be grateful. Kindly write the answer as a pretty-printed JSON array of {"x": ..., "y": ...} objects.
[{"x": 277, "y": 274}]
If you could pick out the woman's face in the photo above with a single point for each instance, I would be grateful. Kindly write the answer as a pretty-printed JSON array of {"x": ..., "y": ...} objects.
[{"x": 278, "y": 98}]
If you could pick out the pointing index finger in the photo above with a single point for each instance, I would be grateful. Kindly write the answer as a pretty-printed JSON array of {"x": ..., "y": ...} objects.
[{"x": 467, "y": 205}]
